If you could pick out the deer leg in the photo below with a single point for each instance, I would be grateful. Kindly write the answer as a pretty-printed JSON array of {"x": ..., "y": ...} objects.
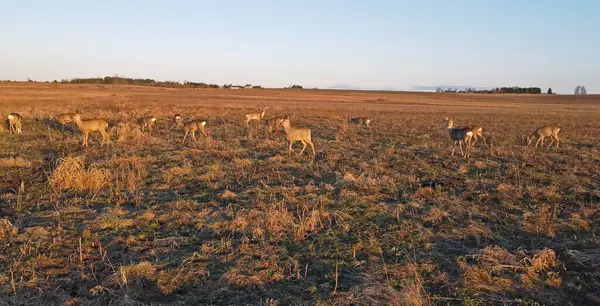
[
  {"x": 538, "y": 141},
  {"x": 290, "y": 150},
  {"x": 557, "y": 140},
  {"x": 460, "y": 146},
  {"x": 185, "y": 136},
  {"x": 194, "y": 136},
  {"x": 312, "y": 147},
  {"x": 107, "y": 136},
  {"x": 551, "y": 142},
  {"x": 303, "y": 147}
]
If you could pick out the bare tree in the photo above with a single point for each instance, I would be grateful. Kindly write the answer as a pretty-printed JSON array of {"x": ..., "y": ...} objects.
[{"x": 577, "y": 89}]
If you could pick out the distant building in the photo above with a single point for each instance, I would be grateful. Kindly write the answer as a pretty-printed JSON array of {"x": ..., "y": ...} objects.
[{"x": 232, "y": 86}]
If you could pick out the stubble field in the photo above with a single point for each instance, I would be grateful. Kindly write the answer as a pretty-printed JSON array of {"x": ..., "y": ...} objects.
[{"x": 378, "y": 217}]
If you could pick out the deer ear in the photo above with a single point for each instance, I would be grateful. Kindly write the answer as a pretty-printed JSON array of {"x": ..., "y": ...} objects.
[{"x": 446, "y": 118}]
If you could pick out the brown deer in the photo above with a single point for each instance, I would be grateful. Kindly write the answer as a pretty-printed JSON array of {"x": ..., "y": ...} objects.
[
  {"x": 63, "y": 119},
  {"x": 460, "y": 136},
  {"x": 146, "y": 122},
  {"x": 92, "y": 125},
  {"x": 255, "y": 116},
  {"x": 296, "y": 134},
  {"x": 272, "y": 123},
  {"x": 359, "y": 121},
  {"x": 193, "y": 126},
  {"x": 14, "y": 123},
  {"x": 178, "y": 121},
  {"x": 550, "y": 130},
  {"x": 478, "y": 133}
]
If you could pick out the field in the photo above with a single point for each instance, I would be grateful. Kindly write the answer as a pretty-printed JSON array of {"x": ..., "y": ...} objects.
[{"x": 380, "y": 216}]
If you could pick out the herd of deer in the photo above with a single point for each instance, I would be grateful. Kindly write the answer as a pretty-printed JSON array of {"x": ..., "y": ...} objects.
[{"x": 459, "y": 135}]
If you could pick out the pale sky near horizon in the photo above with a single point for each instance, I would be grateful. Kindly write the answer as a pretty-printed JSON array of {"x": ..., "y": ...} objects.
[{"x": 367, "y": 44}]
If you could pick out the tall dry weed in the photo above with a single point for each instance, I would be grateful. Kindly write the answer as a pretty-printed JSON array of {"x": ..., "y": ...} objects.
[{"x": 71, "y": 174}]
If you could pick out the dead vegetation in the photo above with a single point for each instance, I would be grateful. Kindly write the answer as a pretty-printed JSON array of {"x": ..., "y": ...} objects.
[{"x": 380, "y": 216}]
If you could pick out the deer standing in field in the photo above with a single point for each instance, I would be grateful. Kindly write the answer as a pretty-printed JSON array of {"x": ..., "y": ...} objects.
[
  {"x": 63, "y": 119},
  {"x": 460, "y": 136},
  {"x": 146, "y": 122},
  {"x": 358, "y": 121},
  {"x": 92, "y": 125},
  {"x": 193, "y": 126},
  {"x": 255, "y": 116},
  {"x": 550, "y": 130},
  {"x": 272, "y": 123},
  {"x": 178, "y": 121},
  {"x": 478, "y": 133},
  {"x": 14, "y": 123},
  {"x": 296, "y": 134}
]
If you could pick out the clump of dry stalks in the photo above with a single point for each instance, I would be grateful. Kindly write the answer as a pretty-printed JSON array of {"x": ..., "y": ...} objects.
[{"x": 70, "y": 174}]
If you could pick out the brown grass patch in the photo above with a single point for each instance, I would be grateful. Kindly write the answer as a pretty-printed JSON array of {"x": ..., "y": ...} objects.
[
  {"x": 15, "y": 162},
  {"x": 542, "y": 221},
  {"x": 7, "y": 230},
  {"x": 70, "y": 174}
]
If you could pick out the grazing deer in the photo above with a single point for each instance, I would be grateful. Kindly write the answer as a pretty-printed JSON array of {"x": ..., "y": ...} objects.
[
  {"x": 360, "y": 121},
  {"x": 14, "y": 123},
  {"x": 478, "y": 133},
  {"x": 92, "y": 125},
  {"x": 193, "y": 126},
  {"x": 272, "y": 123},
  {"x": 293, "y": 134},
  {"x": 63, "y": 119},
  {"x": 460, "y": 136},
  {"x": 255, "y": 116},
  {"x": 146, "y": 122},
  {"x": 543, "y": 132},
  {"x": 178, "y": 121}
]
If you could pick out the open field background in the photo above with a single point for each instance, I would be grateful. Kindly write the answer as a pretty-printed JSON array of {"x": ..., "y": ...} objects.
[{"x": 379, "y": 217}]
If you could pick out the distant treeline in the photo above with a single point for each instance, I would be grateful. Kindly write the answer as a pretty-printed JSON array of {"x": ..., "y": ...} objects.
[
  {"x": 142, "y": 82},
  {"x": 497, "y": 90}
]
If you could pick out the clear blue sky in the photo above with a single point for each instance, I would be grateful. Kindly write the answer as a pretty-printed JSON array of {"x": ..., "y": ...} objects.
[{"x": 368, "y": 44}]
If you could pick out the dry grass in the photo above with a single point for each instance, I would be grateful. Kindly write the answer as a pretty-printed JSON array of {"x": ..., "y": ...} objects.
[
  {"x": 15, "y": 162},
  {"x": 233, "y": 220},
  {"x": 70, "y": 174}
]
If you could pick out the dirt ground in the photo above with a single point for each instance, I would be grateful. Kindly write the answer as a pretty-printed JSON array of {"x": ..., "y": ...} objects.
[{"x": 380, "y": 216}]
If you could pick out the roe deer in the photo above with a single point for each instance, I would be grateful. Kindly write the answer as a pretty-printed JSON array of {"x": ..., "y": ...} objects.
[
  {"x": 358, "y": 121},
  {"x": 543, "y": 132},
  {"x": 178, "y": 121},
  {"x": 272, "y": 123},
  {"x": 294, "y": 134},
  {"x": 14, "y": 123},
  {"x": 478, "y": 133},
  {"x": 63, "y": 119},
  {"x": 193, "y": 126},
  {"x": 146, "y": 121},
  {"x": 255, "y": 116},
  {"x": 460, "y": 136},
  {"x": 92, "y": 125}
]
